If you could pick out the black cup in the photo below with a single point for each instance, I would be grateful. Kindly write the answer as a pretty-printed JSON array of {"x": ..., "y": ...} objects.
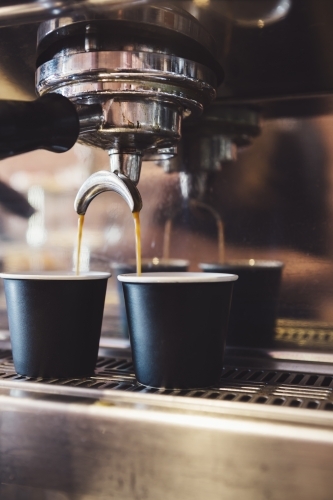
[
  {"x": 178, "y": 325},
  {"x": 55, "y": 322},
  {"x": 255, "y": 301},
  {"x": 148, "y": 266}
]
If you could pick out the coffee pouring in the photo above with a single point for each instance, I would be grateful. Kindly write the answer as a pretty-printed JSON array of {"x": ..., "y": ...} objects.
[
  {"x": 102, "y": 181},
  {"x": 121, "y": 81},
  {"x": 98, "y": 183},
  {"x": 208, "y": 144}
]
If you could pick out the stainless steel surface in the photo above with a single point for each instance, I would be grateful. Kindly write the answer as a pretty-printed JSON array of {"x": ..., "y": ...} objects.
[
  {"x": 266, "y": 430},
  {"x": 193, "y": 185},
  {"x": 20, "y": 12},
  {"x": 242, "y": 124},
  {"x": 216, "y": 150},
  {"x": 90, "y": 117},
  {"x": 257, "y": 14},
  {"x": 127, "y": 164},
  {"x": 254, "y": 14},
  {"x": 305, "y": 335},
  {"x": 273, "y": 385},
  {"x": 203, "y": 154},
  {"x": 123, "y": 72},
  {"x": 136, "y": 124},
  {"x": 215, "y": 138},
  {"x": 102, "y": 181},
  {"x": 145, "y": 87},
  {"x": 112, "y": 445},
  {"x": 299, "y": 70},
  {"x": 101, "y": 437},
  {"x": 162, "y": 154},
  {"x": 166, "y": 15}
]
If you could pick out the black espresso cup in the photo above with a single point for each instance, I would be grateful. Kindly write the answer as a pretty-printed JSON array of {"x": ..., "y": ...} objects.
[
  {"x": 255, "y": 300},
  {"x": 55, "y": 322},
  {"x": 178, "y": 325},
  {"x": 154, "y": 265}
]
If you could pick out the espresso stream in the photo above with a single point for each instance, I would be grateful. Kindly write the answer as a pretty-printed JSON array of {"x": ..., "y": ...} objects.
[
  {"x": 136, "y": 217},
  {"x": 79, "y": 241}
]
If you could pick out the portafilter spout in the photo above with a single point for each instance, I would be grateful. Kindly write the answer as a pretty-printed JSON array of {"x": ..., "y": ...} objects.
[{"x": 102, "y": 181}]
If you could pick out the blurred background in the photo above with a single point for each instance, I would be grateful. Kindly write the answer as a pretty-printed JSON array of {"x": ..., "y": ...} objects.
[{"x": 275, "y": 202}]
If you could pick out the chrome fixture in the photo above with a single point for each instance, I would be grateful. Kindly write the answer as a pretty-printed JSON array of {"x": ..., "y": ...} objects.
[
  {"x": 107, "y": 181},
  {"x": 216, "y": 137},
  {"x": 120, "y": 80},
  {"x": 207, "y": 144},
  {"x": 147, "y": 67},
  {"x": 254, "y": 14},
  {"x": 258, "y": 431},
  {"x": 13, "y": 12},
  {"x": 210, "y": 142}
]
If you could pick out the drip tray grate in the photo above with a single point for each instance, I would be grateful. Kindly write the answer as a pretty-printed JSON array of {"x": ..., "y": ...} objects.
[
  {"x": 246, "y": 385},
  {"x": 303, "y": 334}
]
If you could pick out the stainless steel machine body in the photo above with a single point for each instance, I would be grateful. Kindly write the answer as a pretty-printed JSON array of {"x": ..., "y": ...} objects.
[
  {"x": 140, "y": 74},
  {"x": 108, "y": 437},
  {"x": 125, "y": 62},
  {"x": 146, "y": 67}
]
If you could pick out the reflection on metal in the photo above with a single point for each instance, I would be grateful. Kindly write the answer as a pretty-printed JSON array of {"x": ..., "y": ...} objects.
[
  {"x": 29, "y": 11},
  {"x": 274, "y": 427},
  {"x": 305, "y": 335},
  {"x": 69, "y": 439},
  {"x": 102, "y": 181},
  {"x": 215, "y": 138},
  {"x": 162, "y": 154},
  {"x": 123, "y": 72},
  {"x": 127, "y": 164},
  {"x": 90, "y": 117},
  {"x": 157, "y": 14},
  {"x": 242, "y": 52},
  {"x": 242, "y": 384},
  {"x": 215, "y": 151},
  {"x": 253, "y": 14},
  {"x": 202, "y": 206},
  {"x": 219, "y": 226},
  {"x": 193, "y": 185},
  {"x": 146, "y": 68}
]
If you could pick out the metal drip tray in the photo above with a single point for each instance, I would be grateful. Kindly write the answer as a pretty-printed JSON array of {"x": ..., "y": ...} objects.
[
  {"x": 262, "y": 433},
  {"x": 304, "y": 334},
  {"x": 246, "y": 385}
]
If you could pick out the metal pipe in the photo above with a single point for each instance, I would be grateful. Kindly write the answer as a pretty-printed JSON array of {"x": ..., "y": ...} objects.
[{"x": 126, "y": 163}]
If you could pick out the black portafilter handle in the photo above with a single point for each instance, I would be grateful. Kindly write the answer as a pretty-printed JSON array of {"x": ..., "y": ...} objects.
[{"x": 50, "y": 122}]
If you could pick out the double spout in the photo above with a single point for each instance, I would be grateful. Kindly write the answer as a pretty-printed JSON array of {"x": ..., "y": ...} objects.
[{"x": 102, "y": 181}]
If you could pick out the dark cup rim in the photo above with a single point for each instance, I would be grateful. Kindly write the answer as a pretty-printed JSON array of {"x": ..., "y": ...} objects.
[
  {"x": 161, "y": 262},
  {"x": 56, "y": 276},
  {"x": 177, "y": 277},
  {"x": 242, "y": 264}
]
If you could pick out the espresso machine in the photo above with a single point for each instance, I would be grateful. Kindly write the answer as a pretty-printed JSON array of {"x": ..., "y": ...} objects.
[
  {"x": 232, "y": 99},
  {"x": 128, "y": 86}
]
